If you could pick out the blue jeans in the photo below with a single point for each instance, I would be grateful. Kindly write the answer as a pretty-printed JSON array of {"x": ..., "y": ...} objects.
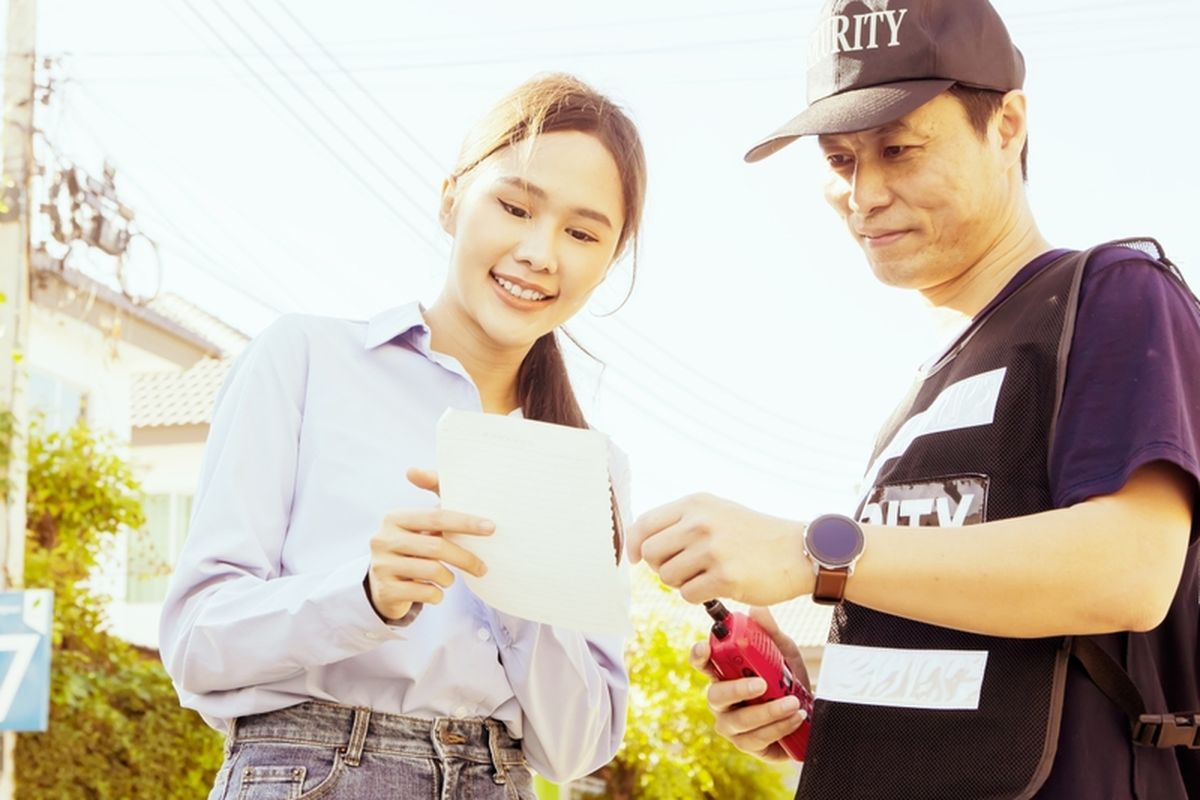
[{"x": 320, "y": 750}]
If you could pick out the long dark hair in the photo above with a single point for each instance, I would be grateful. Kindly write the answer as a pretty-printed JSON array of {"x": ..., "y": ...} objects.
[{"x": 546, "y": 104}]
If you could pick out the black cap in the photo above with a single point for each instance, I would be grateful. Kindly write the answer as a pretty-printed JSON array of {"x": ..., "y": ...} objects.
[{"x": 870, "y": 62}]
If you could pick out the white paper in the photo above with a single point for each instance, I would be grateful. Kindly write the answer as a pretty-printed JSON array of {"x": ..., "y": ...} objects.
[
  {"x": 883, "y": 676},
  {"x": 552, "y": 557}
]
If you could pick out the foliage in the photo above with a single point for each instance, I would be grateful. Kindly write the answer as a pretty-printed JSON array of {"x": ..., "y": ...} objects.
[
  {"x": 115, "y": 720},
  {"x": 670, "y": 749},
  {"x": 7, "y": 424}
]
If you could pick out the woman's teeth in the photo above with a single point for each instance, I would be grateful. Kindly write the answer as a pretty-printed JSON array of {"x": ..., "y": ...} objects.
[{"x": 517, "y": 291}]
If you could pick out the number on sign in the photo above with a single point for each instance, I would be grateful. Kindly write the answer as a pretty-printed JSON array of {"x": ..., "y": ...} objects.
[{"x": 22, "y": 646}]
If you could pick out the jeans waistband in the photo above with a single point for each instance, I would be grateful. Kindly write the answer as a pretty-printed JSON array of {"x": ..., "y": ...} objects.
[{"x": 358, "y": 730}]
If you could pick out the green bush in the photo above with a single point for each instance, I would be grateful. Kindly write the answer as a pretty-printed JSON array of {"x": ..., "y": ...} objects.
[
  {"x": 116, "y": 728},
  {"x": 671, "y": 750}
]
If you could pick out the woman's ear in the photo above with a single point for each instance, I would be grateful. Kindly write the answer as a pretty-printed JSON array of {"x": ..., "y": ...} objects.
[{"x": 446, "y": 211}]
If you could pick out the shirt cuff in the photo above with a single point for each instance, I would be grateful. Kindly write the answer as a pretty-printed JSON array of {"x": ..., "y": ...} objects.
[{"x": 398, "y": 622}]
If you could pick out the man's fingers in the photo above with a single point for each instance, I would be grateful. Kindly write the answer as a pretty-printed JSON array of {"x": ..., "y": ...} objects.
[
  {"x": 649, "y": 524},
  {"x": 752, "y": 718},
  {"x": 699, "y": 655},
  {"x": 680, "y": 567},
  {"x": 787, "y": 646},
  {"x": 761, "y": 739},
  {"x": 723, "y": 695}
]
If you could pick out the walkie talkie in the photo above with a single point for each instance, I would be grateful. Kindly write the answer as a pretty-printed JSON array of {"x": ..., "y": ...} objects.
[{"x": 742, "y": 649}]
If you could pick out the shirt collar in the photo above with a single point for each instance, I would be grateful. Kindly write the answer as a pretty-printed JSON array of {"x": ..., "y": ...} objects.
[{"x": 394, "y": 323}]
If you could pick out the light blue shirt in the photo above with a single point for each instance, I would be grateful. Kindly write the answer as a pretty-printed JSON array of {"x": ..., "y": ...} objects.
[{"x": 311, "y": 437}]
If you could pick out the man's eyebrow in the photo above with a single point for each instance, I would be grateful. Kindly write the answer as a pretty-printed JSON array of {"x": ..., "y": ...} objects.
[
  {"x": 540, "y": 193},
  {"x": 882, "y": 130}
]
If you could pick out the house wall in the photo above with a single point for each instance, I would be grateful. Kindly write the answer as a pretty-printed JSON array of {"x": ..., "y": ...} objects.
[
  {"x": 168, "y": 472},
  {"x": 79, "y": 355},
  {"x": 84, "y": 361}
]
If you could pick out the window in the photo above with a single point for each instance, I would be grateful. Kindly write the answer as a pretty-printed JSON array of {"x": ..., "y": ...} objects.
[
  {"x": 60, "y": 403},
  {"x": 154, "y": 549}
]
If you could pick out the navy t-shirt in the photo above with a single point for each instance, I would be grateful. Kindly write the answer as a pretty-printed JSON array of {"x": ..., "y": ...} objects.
[{"x": 1132, "y": 396}]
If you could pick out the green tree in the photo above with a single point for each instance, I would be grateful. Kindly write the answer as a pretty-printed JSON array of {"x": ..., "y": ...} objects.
[
  {"x": 116, "y": 727},
  {"x": 671, "y": 750}
]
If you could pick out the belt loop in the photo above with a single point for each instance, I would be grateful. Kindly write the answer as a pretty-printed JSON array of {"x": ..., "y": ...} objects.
[
  {"x": 493, "y": 737},
  {"x": 231, "y": 736},
  {"x": 358, "y": 736}
]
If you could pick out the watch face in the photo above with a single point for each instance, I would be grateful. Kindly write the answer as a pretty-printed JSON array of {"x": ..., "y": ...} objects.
[{"x": 834, "y": 540}]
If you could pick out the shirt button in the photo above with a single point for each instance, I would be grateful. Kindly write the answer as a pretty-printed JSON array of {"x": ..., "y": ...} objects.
[
  {"x": 483, "y": 634},
  {"x": 460, "y": 712}
]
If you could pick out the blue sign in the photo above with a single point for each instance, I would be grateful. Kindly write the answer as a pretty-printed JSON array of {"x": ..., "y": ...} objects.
[{"x": 25, "y": 619}]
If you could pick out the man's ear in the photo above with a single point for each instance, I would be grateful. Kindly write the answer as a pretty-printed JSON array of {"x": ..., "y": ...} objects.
[
  {"x": 1011, "y": 126},
  {"x": 446, "y": 210}
]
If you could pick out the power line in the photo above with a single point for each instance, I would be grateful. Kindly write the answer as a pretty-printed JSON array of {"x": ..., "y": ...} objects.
[
  {"x": 358, "y": 84},
  {"x": 181, "y": 187},
  {"x": 673, "y": 20},
  {"x": 338, "y": 95},
  {"x": 714, "y": 447},
  {"x": 712, "y": 434},
  {"x": 740, "y": 400},
  {"x": 387, "y": 203},
  {"x": 420, "y": 207},
  {"x": 771, "y": 438}
]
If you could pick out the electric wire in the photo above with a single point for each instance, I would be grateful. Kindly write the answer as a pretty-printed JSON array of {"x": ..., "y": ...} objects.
[{"x": 387, "y": 203}]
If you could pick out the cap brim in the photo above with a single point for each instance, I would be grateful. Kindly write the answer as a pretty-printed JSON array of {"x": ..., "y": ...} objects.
[{"x": 855, "y": 110}]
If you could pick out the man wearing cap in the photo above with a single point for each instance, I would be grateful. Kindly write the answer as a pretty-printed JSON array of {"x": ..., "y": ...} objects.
[{"x": 1046, "y": 644}]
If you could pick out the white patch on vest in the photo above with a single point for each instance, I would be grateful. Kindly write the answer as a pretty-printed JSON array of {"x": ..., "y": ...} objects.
[
  {"x": 946, "y": 680},
  {"x": 947, "y": 502},
  {"x": 968, "y": 403}
]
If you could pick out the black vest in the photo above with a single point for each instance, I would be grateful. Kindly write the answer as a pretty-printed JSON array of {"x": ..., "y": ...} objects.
[{"x": 969, "y": 444}]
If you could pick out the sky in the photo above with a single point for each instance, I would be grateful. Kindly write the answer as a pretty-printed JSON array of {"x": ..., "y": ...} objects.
[{"x": 287, "y": 158}]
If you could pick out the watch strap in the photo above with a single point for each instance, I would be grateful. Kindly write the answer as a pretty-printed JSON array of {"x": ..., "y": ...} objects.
[{"x": 830, "y": 586}]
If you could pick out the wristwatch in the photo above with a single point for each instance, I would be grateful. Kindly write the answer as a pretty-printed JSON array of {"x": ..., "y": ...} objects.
[{"x": 833, "y": 543}]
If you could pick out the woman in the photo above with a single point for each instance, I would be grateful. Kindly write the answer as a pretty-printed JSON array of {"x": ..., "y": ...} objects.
[{"x": 314, "y": 613}]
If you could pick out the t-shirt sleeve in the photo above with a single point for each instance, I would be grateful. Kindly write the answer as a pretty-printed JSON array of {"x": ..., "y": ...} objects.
[{"x": 1132, "y": 392}]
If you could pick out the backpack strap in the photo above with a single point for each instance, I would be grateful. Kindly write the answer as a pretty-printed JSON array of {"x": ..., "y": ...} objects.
[{"x": 1149, "y": 730}]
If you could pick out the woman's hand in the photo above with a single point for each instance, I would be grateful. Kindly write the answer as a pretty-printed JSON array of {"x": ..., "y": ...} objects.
[{"x": 410, "y": 556}]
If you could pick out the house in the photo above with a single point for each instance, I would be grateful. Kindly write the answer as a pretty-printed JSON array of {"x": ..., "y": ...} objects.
[
  {"x": 147, "y": 375},
  {"x": 169, "y": 415}
]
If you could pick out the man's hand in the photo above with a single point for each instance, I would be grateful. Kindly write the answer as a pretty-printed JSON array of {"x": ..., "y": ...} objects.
[
  {"x": 755, "y": 729},
  {"x": 708, "y": 547}
]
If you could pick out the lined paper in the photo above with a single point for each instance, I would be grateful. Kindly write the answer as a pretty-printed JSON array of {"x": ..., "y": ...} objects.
[{"x": 552, "y": 557}]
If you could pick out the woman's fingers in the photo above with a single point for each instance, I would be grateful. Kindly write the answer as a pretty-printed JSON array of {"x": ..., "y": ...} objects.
[
  {"x": 405, "y": 568},
  {"x": 439, "y": 520},
  {"x": 425, "y": 479}
]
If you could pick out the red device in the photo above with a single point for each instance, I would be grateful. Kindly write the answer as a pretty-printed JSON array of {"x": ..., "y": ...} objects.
[{"x": 742, "y": 649}]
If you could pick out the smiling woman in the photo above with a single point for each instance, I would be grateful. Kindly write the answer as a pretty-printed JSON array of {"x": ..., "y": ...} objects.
[
  {"x": 566, "y": 164},
  {"x": 314, "y": 613}
]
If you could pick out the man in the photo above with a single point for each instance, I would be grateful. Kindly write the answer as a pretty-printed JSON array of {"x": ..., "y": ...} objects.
[{"x": 1049, "y": 648}]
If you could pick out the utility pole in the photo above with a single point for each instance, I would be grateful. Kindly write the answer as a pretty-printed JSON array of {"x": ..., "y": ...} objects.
[{"x": 16, "y": 147}]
